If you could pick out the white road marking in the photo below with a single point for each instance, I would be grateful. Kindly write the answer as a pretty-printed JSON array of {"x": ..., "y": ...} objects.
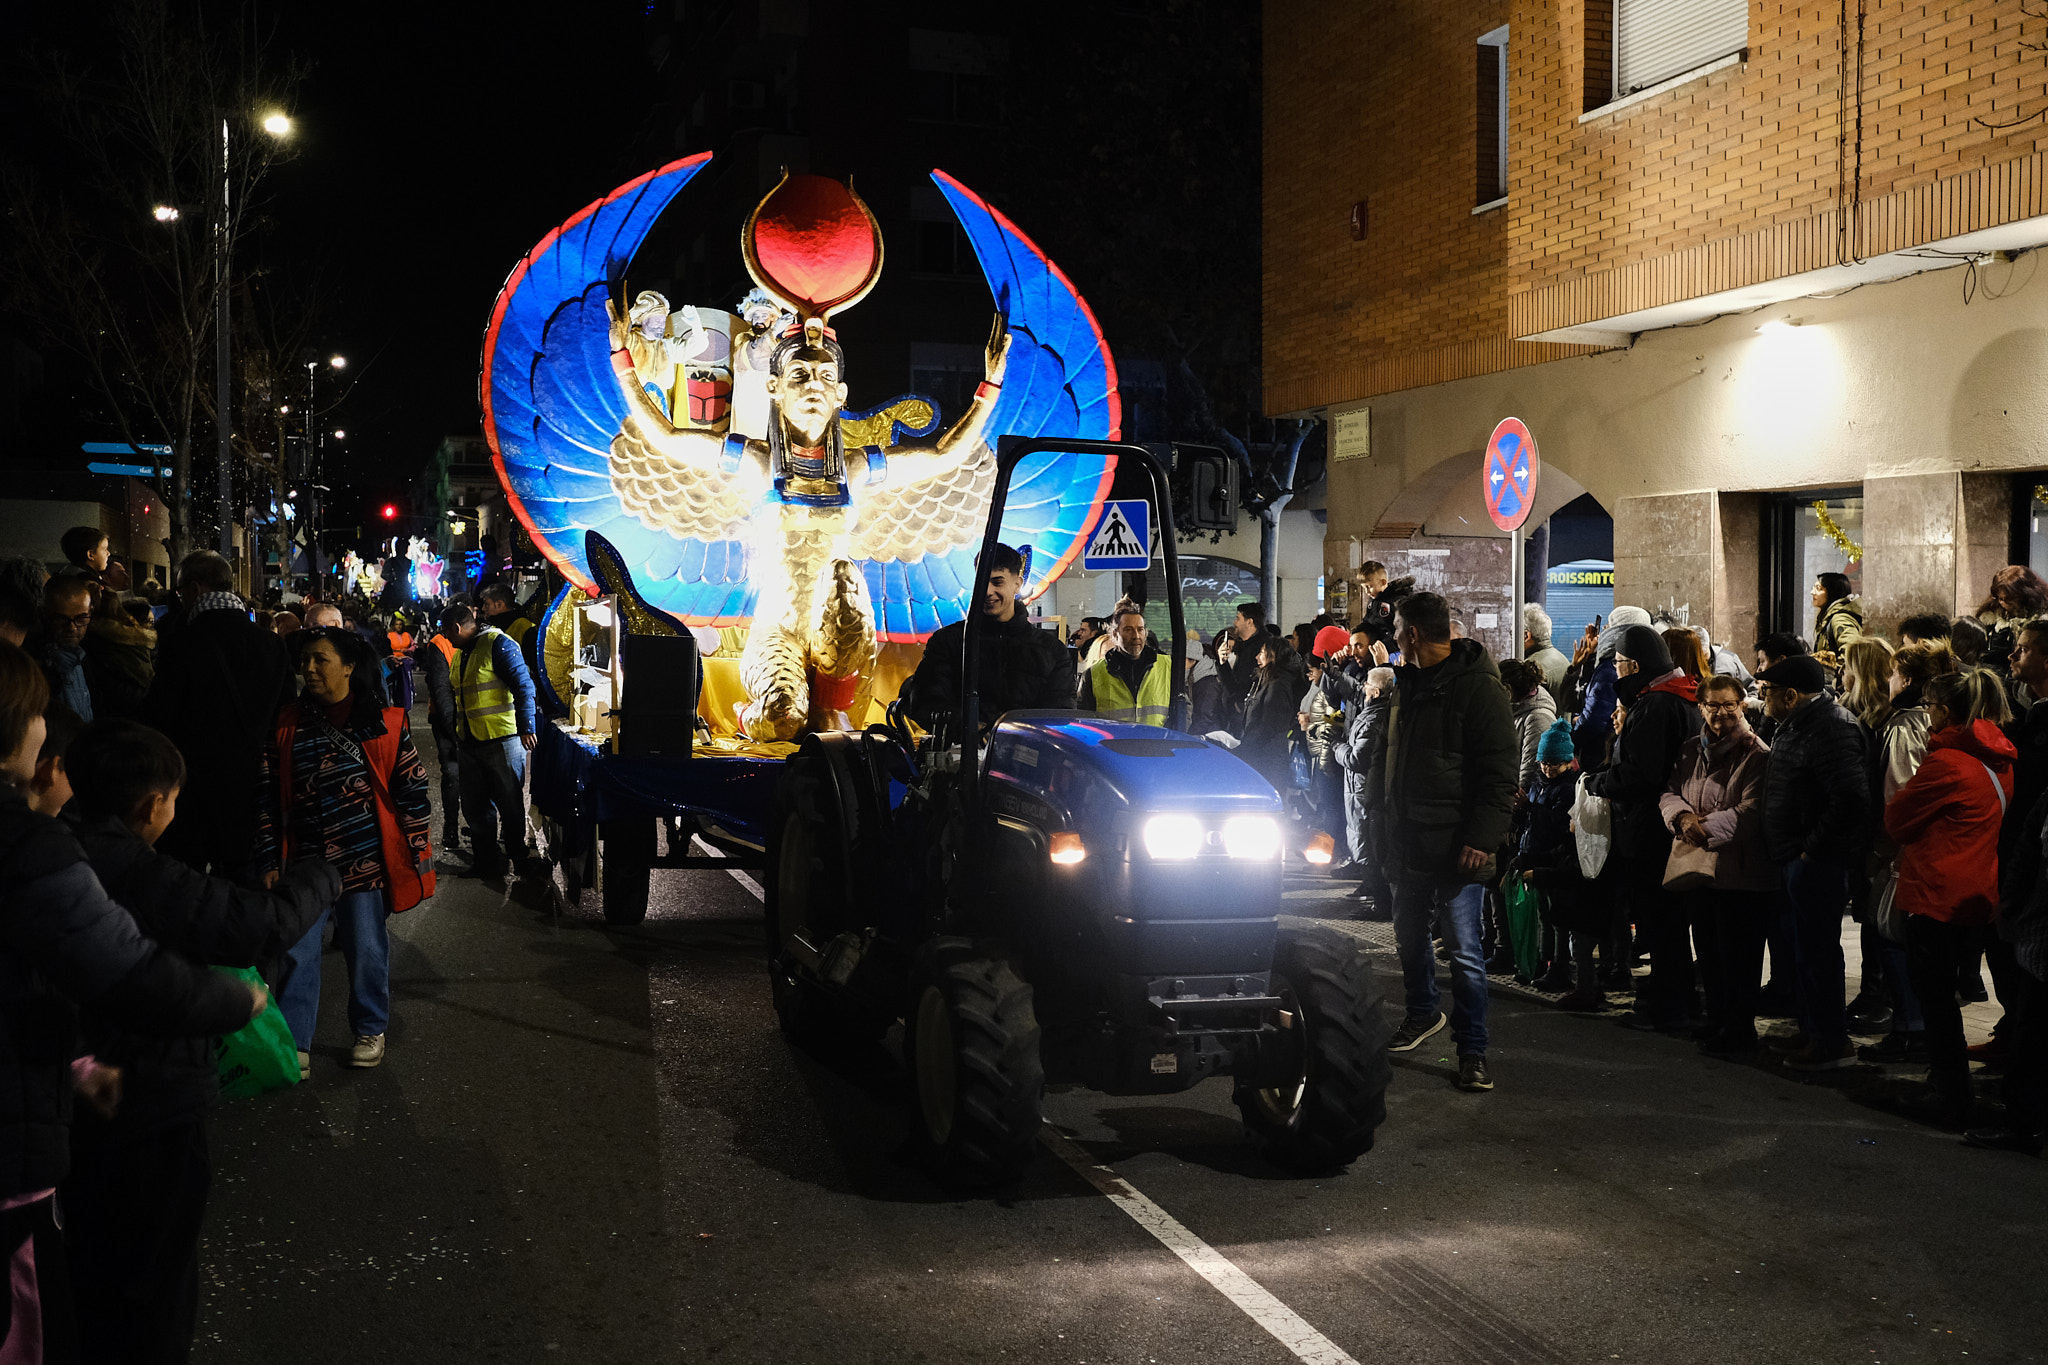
[
  {"x": 1287, "y": 1326},
  {"x": 737, "y": 874}
]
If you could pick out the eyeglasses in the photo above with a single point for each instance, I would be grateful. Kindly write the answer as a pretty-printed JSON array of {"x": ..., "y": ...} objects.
[
  {"x": 1720, "y": 706},
  {"x": 80, "y": 621}
]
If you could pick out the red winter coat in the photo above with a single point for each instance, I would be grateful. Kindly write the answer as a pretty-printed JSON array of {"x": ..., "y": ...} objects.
[{"x": 1945, "y": 822}]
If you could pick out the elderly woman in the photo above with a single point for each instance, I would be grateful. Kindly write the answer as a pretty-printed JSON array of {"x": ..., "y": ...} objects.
[
  {"x": 1533, "y": 711},
  {"x": 1714, "y": 804},
  {"x": 341, "y": 778}
]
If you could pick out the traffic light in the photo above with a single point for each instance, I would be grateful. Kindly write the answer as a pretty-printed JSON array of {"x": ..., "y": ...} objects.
[
  {"x": 1210, "y": 476},
  {"x": 390, "y": 512}
]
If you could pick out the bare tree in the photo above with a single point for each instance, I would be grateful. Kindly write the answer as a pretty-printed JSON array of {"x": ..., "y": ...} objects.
[{"x": 148, "y": 166}]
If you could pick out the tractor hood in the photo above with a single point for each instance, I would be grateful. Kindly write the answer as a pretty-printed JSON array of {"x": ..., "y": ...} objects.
[{"x": 1089, "y": 768}]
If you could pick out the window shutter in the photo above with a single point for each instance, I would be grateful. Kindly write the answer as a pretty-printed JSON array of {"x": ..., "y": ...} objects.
[{"x": 1655, "y": 40}]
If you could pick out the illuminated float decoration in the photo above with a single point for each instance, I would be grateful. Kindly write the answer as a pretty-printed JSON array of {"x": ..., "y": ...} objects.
[{"x": 713, "y": 451}]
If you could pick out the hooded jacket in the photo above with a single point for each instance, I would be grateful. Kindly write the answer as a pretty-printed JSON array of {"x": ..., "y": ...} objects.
[
  {"x": 1946, "y": 823},
  {"x": 1661, "y": 718},
  {"x": 1816, "y": 793},
  {"x": 1451, "y": 763},
  {"x": 1722, "y": 782},
  {"x": 1901, "y": 743},
  {"x": 1839, "y": 625},
  {"x": 1533, "y": 715},
  {"x": 1208, "y": 702}
]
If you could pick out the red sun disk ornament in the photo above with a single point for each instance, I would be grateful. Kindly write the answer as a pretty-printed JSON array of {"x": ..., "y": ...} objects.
[{"x": 813, "y": 243}]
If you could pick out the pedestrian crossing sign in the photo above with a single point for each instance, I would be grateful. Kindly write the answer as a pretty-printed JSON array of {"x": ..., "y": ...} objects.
[{"x": 1122, "y": 539}]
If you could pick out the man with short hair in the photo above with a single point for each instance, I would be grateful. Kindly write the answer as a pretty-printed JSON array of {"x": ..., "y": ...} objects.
[
  {"x": 67, "y": 612},
  {"x": 500, "y": 609},
  {"x": 1020, "y": 666},
  {"x": 1925, "y": 629},
  {"x": 1237, "y": 658},
  {"x": 324, "y": 616},
  {"x": 1451, "y": 768},
  {"x": 1538, "y": 650},
  {"x": 1376, "y": 617},
  {"x": 1817, "y": 822},
  {"x": 1134, "y": 681},
  {"x": 438, "y": 661},
  {"x": 219, "y": 681},
  {"x": 494, "y": 700}
]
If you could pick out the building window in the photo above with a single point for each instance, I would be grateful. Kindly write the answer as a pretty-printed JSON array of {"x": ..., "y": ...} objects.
[
  {"x": 1799, "y": 547},
  {"x": 955, "y": 77},
  {"x": 1598, "y": 86},
  {"x": 1655, "y": 40},
  {"x": 947, "y": 373},
  {"x": 1491, "y": 116},
  {"x": 938, "y": 246}
]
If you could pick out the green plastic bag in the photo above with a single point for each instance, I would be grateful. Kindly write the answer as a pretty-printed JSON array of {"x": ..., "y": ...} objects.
[
  {"x": 260, "y": 1055},
  {"x": 1525, "y": 926}
]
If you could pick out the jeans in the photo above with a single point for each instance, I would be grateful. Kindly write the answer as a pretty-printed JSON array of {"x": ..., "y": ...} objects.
[
  {"x": 1934, "y": 954},
  {"x": 360, "y": 928},
  {"x": 1729, "y": 927},
  {"x": 493, "y": 774},
  {"x": 1419, "y": 900},
  {"x": 1898, "y": 976},
  {"x": 1817, "y": 895}
]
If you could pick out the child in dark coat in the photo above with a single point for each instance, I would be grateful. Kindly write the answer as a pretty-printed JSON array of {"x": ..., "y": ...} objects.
[
  {"x": 136, "y": 1194},
  {"x": 1548, "y": 859}
]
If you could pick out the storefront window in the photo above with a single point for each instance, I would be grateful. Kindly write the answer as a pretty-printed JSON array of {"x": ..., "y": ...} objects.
[
  {"x": 2030, "y": 521},
  {"x": 1810, "y": 534},
  {"x": 1210, "y": 590}
]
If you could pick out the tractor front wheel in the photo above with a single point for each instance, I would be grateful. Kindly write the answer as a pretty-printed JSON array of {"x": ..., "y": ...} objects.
[{"x": 971, "y": 1038}]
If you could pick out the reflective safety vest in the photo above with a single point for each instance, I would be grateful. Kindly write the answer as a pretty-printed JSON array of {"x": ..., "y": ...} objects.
[
  {"x": 484, "y": 698},
  {"x": 521, "y": 629},
  {"x": 1113, "y": 701}
]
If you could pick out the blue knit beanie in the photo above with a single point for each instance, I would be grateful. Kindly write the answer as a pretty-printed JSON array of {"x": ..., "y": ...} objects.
[{"x": 1556, "y": 744}]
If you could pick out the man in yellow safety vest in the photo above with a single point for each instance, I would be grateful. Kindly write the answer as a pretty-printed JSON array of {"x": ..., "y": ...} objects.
[
  {"x": 1134, "y": 682},
  {"x": 494, "y": 702}
]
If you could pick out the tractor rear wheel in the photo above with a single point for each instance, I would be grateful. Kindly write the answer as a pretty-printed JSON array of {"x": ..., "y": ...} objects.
[
  {"x": 626, "y": 865},
  {"x": 971, "y": 1039},
  {"x": 806, "y": 883},
  {"x": 1324, "y": 1117}
]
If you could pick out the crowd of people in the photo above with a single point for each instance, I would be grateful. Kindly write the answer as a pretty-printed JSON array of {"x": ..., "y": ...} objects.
[{"x": 285, "y": 736}]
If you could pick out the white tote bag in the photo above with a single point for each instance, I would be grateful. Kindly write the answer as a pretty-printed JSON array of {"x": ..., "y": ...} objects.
[{"x": 1593, "y": 827}]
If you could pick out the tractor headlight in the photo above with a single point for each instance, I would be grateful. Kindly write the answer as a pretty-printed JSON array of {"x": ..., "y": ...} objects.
[
  {"x": 1170, "y": 838},
  {"x": 1251, "y": 836}
]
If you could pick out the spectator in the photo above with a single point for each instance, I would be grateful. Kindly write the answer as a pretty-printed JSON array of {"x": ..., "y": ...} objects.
[
  {"x": 1721, "y": 660},
  {"x": 64, "y": 944},
  {"x": 136, "y": 1195},
  {"x": 1946, "y": 822},
  {"x": 1361, "y": 754},
  {"x": 1207, "y": 705},
  {"x": 1592, "y": 735},
  {"x": 1968, "y": 639},
  {"x": 341, "y": 780},
  {"x": 1134, "y": 681},
  {"x": 120, "y": 653},
  {"x": 495, "y": 716},
  {"x": 219, "y": 681},
  {"x": 437, "y": 661},
  {"x": 1769, "y": 650},
  {"x": 21, "y": 600},
  {"x": 1547, "y": 857},
  {"x": 1817, "y": 823},
  {"x": 2023, "y": 928},
  {"x": 49, "y": 791},
  {"x": 1451, "y": 787},
  {"x": 2017, "y": 596},
  {"x": 283, "y": 623},
  {"x": 2029, "y": 734},
  {"x": 1237, "y": 657},
  {"x": 85, "y": 550},
  {"x": 1686, "y": 655},
  {"x": 1659, "y": 716},
  {"x": 1082, "y": 634},
  {"x": 1538, "y": 650},
  {"x": 1533, "y": 711},
  {"x": 1837, "y": 619},
  {"x": 500, "y": 610},
  {"x": 1270, "y": 710},
  {"x": 1322, "y": 723},
  {"x": 1376, "y": 613},
  {"x": 1866, "y": 682},
  {"x": 1927, "y": 629},
  {"x": 1714, "y": 802},
  {"x": 1020, "y": 666}
]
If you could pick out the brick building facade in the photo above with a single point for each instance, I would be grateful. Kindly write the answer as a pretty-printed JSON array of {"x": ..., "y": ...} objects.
[{"x": 1871, "y": 183}]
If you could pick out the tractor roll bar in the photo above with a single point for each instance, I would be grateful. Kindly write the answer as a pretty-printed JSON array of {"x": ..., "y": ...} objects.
[{"x": 1009, "y": 451}]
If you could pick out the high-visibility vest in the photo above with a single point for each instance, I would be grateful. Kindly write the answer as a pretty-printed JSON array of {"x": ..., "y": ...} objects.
[
  {"x": 1113, "y": 701},
  {"x": 521, "y": 629},
  {"x": 447, "y": 648},
  {"x": 484, "y": 698}
]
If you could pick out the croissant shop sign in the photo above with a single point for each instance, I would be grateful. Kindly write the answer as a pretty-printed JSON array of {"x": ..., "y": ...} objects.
[{"x": 1510, "y": 472}]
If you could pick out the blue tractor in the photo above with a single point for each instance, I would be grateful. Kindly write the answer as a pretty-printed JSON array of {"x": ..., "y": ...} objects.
[{"x": 1057, "y": 899}]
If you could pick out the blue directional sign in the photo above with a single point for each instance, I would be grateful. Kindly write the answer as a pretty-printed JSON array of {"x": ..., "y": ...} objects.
[{"x": 1122, "y": 539}]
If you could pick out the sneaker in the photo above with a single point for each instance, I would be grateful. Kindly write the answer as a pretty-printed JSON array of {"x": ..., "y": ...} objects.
[
  {"x": 1472, "y": 1074},
  {"x": 2004, "y": 1139},
  {"x": 1875, "y": 1019},
  {"x": 1896, "y": 1047},
  {"x": 368, "y": 1051},
  {"x": 1818, "y": 1056},
  {"x": 1409, "y": 1036},
  {"x": 1583, "y": 1002},
  {"x": 305, "y": 1066}
]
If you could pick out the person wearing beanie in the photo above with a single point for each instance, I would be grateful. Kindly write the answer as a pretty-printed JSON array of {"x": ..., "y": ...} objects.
[
  {"x": 1657, "y": 704},
  {"x": 1592, "y": 735},
  {"x": 1331, "y": 642},
  {"x": 1817, "y": 823},
  {"x": 1547, "y": 857}
]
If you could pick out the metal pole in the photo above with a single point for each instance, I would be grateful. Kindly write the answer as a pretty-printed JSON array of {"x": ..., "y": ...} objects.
[
  {"x": 220, "y": 352},
  {"x": 1516, "y": 572}
]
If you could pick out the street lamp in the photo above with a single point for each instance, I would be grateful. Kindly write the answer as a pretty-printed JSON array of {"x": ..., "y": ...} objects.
[
  {"x": 165, "y": 213},
  {"x": 340, "y": 435},
  {"x": 339, "y": 362},
  {"x": 278, "y": 126}
]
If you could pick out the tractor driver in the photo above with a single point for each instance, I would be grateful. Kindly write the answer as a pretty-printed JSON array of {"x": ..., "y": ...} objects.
[
  {"x": 1022, "y": 667},
  {"x": 1134, "y": 682}
]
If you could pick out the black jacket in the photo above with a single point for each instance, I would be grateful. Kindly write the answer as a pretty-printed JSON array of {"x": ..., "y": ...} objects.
[
  {"x": 1364, "y": 748},
  {"x": 208, "y": 919},
  {"x": 1816, "y": 797},
  {"x": 1022, "y": 667},
  {"x": 219, "y": 681},
  {"x": 1452, "y": 763},
  {"x": 440, "y": 689},
  {"x": 1269, "y": 713},
  {"x": 63, "y": 943},
  {"x": 1639, "y": 767},
  {"x": 2029, "y": 735}
]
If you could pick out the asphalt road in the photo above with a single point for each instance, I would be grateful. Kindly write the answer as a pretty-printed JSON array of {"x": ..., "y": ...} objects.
[{"x": 590, "y": 1144}]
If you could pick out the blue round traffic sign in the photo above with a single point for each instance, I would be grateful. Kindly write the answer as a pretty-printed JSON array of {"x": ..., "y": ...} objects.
[{"x": 1510, "y": 471}]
